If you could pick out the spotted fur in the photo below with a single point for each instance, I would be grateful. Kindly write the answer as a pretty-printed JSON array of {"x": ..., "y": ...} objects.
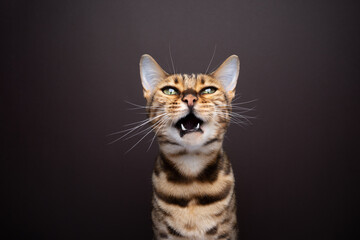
[{"x": 193, "y": 181}]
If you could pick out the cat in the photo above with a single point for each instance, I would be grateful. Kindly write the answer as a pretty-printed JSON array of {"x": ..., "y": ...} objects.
[{"x": 193, "y": 181}]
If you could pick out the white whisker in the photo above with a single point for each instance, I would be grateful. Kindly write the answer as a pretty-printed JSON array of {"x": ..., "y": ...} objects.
[
  {"x": 144, "y": 130},
  {"x": 139, "y": 140},
  {"x": 145, "y": 120},
  {"x": 241, "y": 103},
  {"x": 137, "y": 106},
  {"x": 212, "y": 57},
  {"x": 133, "y": 129},
  {"x": 152, "y": 140},
  {"x": 172, "y": 62}
]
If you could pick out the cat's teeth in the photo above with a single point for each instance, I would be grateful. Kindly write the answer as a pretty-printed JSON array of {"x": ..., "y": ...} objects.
[
  {"x": 182, "y": 127},
  {"x": 197, "y": 126}
]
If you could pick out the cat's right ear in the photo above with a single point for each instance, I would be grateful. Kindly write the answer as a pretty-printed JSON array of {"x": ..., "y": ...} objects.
[
  {"x": 151, "y": 74},
  {"x": 228, "y": 74}
]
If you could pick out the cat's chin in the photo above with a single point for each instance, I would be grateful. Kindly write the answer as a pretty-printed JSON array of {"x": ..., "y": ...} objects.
[
  {"x": 191, "y": 135},
  {"x": 192, "y": 138}
]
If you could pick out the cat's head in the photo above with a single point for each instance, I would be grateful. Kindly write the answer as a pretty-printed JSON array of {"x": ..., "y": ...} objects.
[{"x": 187, "y": 109}]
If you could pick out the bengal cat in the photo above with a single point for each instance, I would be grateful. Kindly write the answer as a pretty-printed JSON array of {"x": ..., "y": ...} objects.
[{"x": 193, "y": 181}]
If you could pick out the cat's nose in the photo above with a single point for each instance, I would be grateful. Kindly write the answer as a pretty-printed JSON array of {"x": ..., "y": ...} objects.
[{"x": 190, "y": 99}]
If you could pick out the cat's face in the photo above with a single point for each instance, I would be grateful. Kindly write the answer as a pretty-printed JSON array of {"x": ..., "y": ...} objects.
[{"x": 189, "y": 110}]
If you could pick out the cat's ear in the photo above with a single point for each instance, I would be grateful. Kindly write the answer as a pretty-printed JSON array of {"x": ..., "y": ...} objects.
[
  {"x": 228, "y": 74},
  {"x": 151, "y": 74}
]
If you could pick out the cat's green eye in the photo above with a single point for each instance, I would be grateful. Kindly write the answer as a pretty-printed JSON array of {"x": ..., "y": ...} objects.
[
  {"x": 170, "y": 91},
  {"x": 208, "y": 90}
]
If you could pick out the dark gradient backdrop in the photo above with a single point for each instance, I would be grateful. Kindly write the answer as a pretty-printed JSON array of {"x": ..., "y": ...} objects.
[{"x": 71, "y": 65}]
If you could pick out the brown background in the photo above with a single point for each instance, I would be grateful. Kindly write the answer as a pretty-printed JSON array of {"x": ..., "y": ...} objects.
[{"x": 71, "y": 65}]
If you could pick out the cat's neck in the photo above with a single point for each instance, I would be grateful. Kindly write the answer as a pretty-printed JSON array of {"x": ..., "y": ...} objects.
[{"x": 192, "y": 162}]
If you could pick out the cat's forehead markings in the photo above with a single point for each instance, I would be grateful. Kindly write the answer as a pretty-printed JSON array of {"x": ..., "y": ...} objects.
[
  {"x": 202, "y": 80},
  {"x": 176, "y": 81},
  {"x": 182, "y": 77},
  {"x": 189, "y": 81},
  {"x": 171, "y": 79}
]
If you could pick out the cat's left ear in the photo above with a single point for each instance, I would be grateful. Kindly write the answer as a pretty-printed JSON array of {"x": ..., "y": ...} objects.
[
  {"x": 151, "y": 74},
  {"x": 228, "y": 74}
]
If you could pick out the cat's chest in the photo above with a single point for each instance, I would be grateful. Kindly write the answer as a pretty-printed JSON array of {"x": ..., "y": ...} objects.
[
  {"x": 194, "y": 219},
  {"x": 190, "y": 164}
]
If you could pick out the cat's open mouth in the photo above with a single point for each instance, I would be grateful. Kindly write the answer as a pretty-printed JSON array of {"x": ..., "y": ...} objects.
[{"x": 190, "y": 123}]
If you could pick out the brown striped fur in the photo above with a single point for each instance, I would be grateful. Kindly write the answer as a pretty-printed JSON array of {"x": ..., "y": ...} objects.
[{"x": 193, "y": 181}]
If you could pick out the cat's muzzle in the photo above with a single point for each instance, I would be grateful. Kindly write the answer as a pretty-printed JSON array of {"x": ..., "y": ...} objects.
[{"x": 188, "y": 124}]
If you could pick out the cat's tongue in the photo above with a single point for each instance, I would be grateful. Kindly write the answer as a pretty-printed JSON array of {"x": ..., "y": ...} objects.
[{"x": 189, "y": 124}]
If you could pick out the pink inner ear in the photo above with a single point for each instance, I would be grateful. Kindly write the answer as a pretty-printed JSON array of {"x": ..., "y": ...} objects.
[
  {"x": 151, "y": 72},
  {"x": 228, "y": 73}
]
